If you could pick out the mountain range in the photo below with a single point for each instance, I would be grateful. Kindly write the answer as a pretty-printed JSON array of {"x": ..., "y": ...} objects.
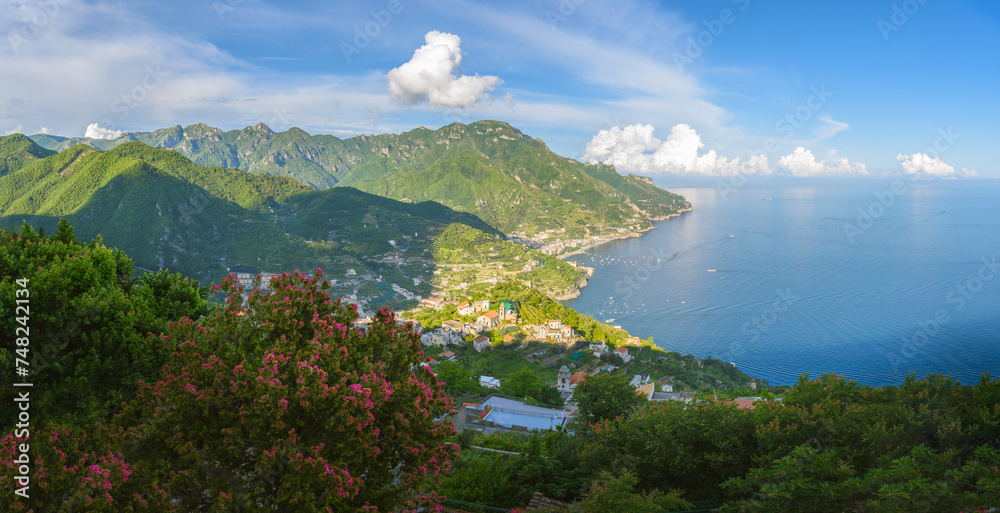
[
  {"x": 508, "y": 179},
  {"x": 422, "y": 209},
  {"x": 165, "y": 211}
]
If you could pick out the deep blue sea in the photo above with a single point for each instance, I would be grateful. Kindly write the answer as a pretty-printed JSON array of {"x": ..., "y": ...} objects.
[{"x": 804, "y": 282}]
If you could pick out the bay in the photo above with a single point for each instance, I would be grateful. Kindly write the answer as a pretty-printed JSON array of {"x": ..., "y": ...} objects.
[{"x": 847, "y": 278}]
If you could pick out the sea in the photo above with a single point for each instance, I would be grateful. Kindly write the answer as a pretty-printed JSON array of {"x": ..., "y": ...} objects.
[{"x": 870, "y": 279}]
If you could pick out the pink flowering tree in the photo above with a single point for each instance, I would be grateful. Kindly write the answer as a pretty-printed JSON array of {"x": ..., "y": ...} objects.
[
  {"x": 281, "y": 404},
  {"x": 77, "y": 470}
]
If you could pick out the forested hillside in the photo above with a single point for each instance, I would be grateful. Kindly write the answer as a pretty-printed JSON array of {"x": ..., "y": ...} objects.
[
  {"x": 16, "y": 151},
  {"x": 168, "y": 212},
  {"x": 489, "y": 168}
]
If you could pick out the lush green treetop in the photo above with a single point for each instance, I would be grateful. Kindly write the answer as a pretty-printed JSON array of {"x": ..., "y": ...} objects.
[
  {"x": 87, "y": 319},
  {"x": 605, "y": 396}
]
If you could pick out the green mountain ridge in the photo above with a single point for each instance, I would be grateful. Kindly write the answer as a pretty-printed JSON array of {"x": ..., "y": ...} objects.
[
  {"x": 17, "y": 150},
  {"x": 167, "y": 212},
  {"x": 488, "y": 168}
]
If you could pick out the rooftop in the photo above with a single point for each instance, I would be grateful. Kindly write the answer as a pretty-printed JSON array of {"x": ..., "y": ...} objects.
[{"x": 508, "y": 412}]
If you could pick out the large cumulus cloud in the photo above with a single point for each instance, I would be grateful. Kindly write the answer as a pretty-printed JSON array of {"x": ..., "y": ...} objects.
[
  {"x": 634, "y": 149},
  {"x": 802, "y": 162},
  {"x": 429, "y": 76},
  {"x": 95, "y": 131}
]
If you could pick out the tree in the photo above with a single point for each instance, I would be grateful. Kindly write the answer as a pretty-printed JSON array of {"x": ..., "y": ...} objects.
[
  {"x": 281, "y": 405},
  {"x": 457, "y": 379},
  {"x": 79, "y": 469},
  {"x": 525, "y": 383},
  {"x": 693, "y": 447},
  {"x": 805, "y": 480},
  {"x": 87, "y": 318},
  {"x": 483, "y": 478},
  {"x": 922, "y": 481},
  {"x": 617, "y": 493},
  {"x": 605, "y": 396}
]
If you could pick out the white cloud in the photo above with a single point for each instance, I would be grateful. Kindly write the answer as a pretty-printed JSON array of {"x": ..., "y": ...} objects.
[
  {"x": 430, "y": 75},
  {"x": 90, "y": 62},
  {"x": 94, "y": 131},
  {"x": 17, "y": 130},
  {"x": 830, "y": 128},
  {"x": 920, "y": 163},
  {"x": 802, "y": 162},
  {"x": 45, "y": 130},
  {"x": 634, "y": 149}
]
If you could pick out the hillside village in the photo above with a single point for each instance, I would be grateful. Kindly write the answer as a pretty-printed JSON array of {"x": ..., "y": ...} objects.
[{"x": 492, "y": 341}]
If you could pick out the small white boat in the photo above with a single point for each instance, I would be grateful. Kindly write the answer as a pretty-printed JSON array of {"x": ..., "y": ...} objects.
[{"x": 711, "y": 270}]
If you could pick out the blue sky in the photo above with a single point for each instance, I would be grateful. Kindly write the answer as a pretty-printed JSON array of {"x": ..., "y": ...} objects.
[{"x": 707, "y": 87}]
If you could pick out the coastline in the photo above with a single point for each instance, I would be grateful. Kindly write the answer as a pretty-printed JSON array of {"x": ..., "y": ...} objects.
[
  {"x": 590, "y": 270},
  {"x": 575, "y": 291},
  {"x": 629, "y": 235}
]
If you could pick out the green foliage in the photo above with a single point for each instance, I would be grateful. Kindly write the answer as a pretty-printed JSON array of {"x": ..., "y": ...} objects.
[
  {"x": 527, "y": 384},
  {"x": 430, "y": 318},
  {"x": 693, "y": 447},
  {"x": 617, "y": 493},
  {"x": 806, "y": 480},
  {"x": 981, "y": 477},
  {"x": 605, "y": 397},
  {"x": 252, "y": 192},
  {"x": 832, "y": 445},
  {"x": 456, "y": 378},
  {"x": 545, "y": 463},
  {"x": 158, "y": 217},
  {"x": 483, "y": 478},
  {"x": 921, "y": 481},
  {"x": 88, "y": 320},
  {"x": 16, "y": 151},
  {"x": 535, "y": 307}
]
